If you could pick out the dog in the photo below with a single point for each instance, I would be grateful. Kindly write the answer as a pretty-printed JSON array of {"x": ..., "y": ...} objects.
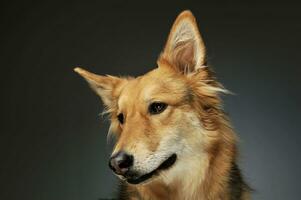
[{"x": 173, "y": 140}]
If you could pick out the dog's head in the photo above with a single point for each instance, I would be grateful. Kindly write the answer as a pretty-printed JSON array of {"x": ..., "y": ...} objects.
[{"x": 166, "y": 117}]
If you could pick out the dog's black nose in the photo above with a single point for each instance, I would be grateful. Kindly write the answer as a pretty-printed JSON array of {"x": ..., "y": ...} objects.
[{"x": 121, "y": 162}]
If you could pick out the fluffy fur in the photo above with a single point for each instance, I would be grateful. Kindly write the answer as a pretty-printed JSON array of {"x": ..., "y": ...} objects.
[{"x": 193, "y": 126}]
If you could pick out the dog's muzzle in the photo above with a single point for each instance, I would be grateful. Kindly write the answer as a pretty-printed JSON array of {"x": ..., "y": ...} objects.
[{"x": 121, "y": 163}]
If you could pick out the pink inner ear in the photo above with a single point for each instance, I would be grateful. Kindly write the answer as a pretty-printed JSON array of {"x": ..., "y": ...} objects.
[{"x": 184, "y": 57}]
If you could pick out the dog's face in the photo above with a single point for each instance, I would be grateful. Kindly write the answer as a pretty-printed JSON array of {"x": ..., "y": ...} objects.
[{"x": 162, "y": 119}]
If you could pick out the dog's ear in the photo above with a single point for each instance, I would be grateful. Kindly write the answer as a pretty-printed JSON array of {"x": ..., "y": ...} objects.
[
  {"x": 107, "y": 87},
  {"x": 185, "y": 49}
]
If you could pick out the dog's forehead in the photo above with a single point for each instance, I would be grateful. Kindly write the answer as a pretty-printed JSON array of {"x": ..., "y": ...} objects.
[
  {"x": 155, "y": 85},
  {"x": 142, "y": 88}
]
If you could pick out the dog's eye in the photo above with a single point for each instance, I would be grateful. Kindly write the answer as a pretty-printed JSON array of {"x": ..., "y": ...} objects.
[
  {"x": 157, "y": 108},
  {"x": 120, "y": 118}
]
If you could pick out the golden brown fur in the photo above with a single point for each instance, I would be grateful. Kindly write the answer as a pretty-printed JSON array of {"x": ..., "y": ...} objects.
[{"x": 193, "y": 125}]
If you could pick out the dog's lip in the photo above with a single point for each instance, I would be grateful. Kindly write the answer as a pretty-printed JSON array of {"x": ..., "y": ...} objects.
[{"x": 163, "y": 166}]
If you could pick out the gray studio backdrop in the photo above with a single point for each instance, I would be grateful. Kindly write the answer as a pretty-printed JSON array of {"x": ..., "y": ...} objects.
[{"x": 53, "y": 142}]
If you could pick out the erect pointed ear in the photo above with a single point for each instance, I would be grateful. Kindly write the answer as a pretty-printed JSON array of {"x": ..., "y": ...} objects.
[
  {"x": 107, "y": 87},
  {"x": 185, "y": 49}
]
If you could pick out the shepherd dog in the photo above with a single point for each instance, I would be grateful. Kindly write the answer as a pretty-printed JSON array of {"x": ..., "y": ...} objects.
[{"x": 173, "y": 139}]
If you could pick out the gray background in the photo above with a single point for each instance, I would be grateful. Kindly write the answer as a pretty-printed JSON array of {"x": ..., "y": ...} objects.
[{"x": 53, "y": 144}]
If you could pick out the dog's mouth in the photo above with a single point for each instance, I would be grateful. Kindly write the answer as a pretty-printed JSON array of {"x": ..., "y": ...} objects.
[{"x": 163, "y": 166}]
